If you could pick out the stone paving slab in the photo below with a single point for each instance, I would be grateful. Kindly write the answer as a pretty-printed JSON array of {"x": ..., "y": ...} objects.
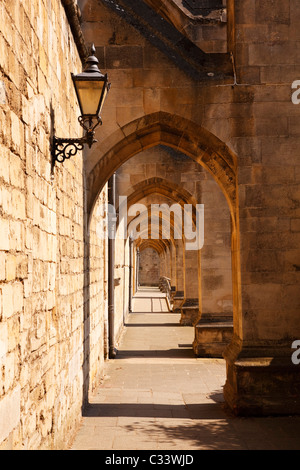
[{"x": 157, "y": 396}]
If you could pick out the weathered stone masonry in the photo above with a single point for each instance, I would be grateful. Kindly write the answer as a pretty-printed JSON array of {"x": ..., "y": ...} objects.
[
  {"x": 41, "y": 230},
  {"x": 215, "y": 88}
]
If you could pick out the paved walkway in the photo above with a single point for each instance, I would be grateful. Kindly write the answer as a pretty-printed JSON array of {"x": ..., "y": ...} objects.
[{"x": 157, "y": 396}]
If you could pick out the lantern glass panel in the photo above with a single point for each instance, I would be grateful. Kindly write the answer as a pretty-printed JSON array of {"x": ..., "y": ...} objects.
[{"x": 89, "y": 94}]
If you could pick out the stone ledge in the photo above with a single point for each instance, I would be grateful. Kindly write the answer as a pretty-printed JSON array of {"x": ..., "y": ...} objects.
[
  {"x": 262, "y": 383},
  {"x": 212, "y": 338}
]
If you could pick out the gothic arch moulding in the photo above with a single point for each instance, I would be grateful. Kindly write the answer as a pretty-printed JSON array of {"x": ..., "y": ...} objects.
[
  {"x": 174, "y": 131},
  {"x": 163, "y": 187},
  {"x": 194, "y": 141}
]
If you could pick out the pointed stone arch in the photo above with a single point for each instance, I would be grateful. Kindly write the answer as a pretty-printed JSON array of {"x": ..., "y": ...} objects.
[
  {"x": 174, "y": 131},
  {"x": 163, "y": 187},
  {"x": 191, "y": 139}
]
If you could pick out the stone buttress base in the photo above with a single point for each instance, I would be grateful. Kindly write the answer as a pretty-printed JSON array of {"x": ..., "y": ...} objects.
[
  {"x": 189, "y": 312},
  {"x": 261, "y": 382},
  {"x": 213, "y": 334}
]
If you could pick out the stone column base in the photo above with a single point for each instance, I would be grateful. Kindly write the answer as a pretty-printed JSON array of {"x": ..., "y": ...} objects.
[
  {"x": 189, "y": 312},
  {"x": 178, "y": 300},
  {"x": 212, "y": 338},
  {"x": 261, "y": 382}
]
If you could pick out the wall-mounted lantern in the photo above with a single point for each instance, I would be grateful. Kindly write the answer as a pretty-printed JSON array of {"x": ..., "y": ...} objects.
[{"x": 91, "y": 89}]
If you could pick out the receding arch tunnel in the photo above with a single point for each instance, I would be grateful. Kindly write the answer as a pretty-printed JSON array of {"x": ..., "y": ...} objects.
[{"x": 191, "y": 140}]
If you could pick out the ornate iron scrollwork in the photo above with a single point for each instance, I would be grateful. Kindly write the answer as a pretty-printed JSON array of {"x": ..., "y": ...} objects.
[{"x": 63, "y": 149}]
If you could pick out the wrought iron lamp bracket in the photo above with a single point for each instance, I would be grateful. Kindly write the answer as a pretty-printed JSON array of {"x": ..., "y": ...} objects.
[{"x": 63, "y": 148}]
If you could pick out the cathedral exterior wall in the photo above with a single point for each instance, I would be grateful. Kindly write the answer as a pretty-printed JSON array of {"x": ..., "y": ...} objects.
[
  {"x": 241, "y": 123},
  {"x": 41, "y": 230}
]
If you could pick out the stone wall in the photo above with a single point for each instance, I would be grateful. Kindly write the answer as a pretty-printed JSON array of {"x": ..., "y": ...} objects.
[
  {"x": 42, "y": 230},
  {"x": 265, "y": 41},
  {"x": 149, "y": 268}
]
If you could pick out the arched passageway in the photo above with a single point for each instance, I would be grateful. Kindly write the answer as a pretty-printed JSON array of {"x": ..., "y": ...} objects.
[
  {"x": 206, "y": 151},
  {"x": 173, "y": 131}
]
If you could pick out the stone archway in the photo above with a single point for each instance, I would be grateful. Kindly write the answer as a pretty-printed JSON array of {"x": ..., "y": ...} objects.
[
  {"x": 192, "y": 140},
  {"x": 149, "y": 266},
  {"x": 173, "y": 131},
  {"x": 164, "y": 188},
  {"x": 187, "y": 293}
]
